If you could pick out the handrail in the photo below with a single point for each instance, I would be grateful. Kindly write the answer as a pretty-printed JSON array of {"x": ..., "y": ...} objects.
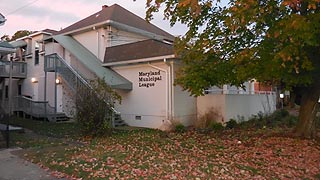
[
  {"x": 19, "y": 69},
  {"x": 32, "y": 107},
  {"x": 58, "y": 59},
  {"x": 58, "y": 68},
  {"x": 73, "y": 71}
]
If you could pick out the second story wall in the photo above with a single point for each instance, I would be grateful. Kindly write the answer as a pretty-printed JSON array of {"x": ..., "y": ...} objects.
[
  {"x": 90, "y": 40},
  {"x": 119, "y": 37},
  {"x": 97, "y": 40}
]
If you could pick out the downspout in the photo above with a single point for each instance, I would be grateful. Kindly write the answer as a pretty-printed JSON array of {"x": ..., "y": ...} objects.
[
  {"x": 167, "y": 88},
  {"x": 10, "y": 88},
  {"x": 98, "y": 42},
  {"x": 171, "y": 75},
  {"x": 98, "y": 55},
  {"x": 55, "y": 85},
  {"x": 170, "y": 80},
  {"x": 45, "y": 90}
]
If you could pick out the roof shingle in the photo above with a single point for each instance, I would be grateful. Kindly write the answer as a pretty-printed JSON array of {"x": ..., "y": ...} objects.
[
  {"x": 138, "y": 50},
  {"x": 117, "y": 14}
]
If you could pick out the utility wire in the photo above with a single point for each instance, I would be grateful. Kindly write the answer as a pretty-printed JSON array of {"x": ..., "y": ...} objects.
[{"x": 12, "y": 12}]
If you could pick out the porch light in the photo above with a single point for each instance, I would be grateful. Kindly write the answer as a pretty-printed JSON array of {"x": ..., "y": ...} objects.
[
  {"x": 34, "y": 80},
  {"x": 281, "y": 95},
  {"x": 58, "y": 81}
]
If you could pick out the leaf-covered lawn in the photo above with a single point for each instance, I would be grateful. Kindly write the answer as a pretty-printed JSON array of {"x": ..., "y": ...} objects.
[{"x": 151, "y": 154}]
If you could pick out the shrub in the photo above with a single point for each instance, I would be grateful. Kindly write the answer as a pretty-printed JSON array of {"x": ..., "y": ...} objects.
[
  {"x": 180, "y": 128},
  {"x": 216, "y": 126},
  {"x": 94, "y": 108},
  {"x": 231, "y": 124},
  {"x": 317, "y": 122},
  {"x": 210, "y": 117},
  {"x": 280, "y": 118}
]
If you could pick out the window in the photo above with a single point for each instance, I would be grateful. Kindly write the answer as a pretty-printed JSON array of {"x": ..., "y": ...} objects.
[
  {"x": 7, "y": 92},
  {"x": 36, "y": 54},
  {"x": 19, "y": 89},
  {"x": 23, "y": 53},
  {"x": 36, "y": 57}
]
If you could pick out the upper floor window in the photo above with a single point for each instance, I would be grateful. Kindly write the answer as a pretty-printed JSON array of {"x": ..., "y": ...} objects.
[
  {"x": 36, "y": 54},
  {"x": 6, "y": 92},
  {"x": 19, "y": 89}
]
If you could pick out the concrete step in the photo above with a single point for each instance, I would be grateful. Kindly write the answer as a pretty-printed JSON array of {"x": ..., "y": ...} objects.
[
  {"x": 119, "y": 122},
  {"x": 57, "y": 117}
]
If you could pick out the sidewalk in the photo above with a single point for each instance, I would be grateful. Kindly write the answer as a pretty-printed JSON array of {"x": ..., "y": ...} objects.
[
  {"x": 14, "y": 168},
  {"x": 3, "y": 127}
]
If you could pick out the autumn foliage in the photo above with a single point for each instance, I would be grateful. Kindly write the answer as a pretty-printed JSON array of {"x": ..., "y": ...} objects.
[{"x": 274, "y": 42}]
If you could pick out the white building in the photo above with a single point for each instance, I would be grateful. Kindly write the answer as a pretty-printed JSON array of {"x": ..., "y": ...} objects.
[{"x": 134, "y": 57}]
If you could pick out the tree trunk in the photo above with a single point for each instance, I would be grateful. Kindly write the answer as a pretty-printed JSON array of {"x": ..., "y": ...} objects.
[{"x": 308, "y": 111}]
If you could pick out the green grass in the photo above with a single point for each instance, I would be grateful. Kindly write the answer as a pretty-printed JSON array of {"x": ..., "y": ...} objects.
[{"x": 58, "y": 130}]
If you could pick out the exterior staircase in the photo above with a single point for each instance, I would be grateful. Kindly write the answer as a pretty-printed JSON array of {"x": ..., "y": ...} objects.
[
  {"x": 55, "y": 63},
  {"x": 23, "y": 105},
  {"x": 27, "y": 107},
  {"x": 118, "y": 121}
]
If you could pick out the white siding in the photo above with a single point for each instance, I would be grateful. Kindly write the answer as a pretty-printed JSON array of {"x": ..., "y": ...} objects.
[
  {"x": 149, "y": 103},
  {"x": 97, "y": 40},
  {"x": 244, "y": 106},
  {"x": 89, "y": 40},
  {"x": 236, "y": 106},
  {"x": 184, "y": 105}
]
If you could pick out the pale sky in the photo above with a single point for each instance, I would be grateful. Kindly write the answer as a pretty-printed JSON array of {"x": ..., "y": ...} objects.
[{"x": 57, "y": 14}]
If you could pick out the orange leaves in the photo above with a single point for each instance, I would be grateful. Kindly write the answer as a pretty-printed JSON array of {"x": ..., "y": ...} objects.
[
  {"x": 297, "y": 4},
  {"x": 192, "y": 4},
  {"x": 312, "y": 6},
  {"x": 246, "y": 154}
]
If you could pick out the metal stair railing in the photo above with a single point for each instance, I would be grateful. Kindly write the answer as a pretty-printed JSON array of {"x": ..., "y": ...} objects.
[
  {"x": 31, "y": 107},
  {"x": 55, "y": 63}
]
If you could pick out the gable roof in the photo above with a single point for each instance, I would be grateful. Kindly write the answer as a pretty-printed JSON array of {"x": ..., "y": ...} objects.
[
  {"x": 137, "y": 51},
  {"x": 117, "y": 15}
]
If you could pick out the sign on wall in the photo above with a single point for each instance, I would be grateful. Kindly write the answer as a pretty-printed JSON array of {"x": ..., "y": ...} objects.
[{"x": 149, "y": 79}]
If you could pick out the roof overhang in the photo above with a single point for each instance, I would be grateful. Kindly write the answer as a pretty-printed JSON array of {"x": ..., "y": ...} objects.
[
  {"x": 18, "y": 43},
  {"x": 39, "y": 33},
  {"x": 135, "y": 61},
  {"x": 5, "y": 50}
]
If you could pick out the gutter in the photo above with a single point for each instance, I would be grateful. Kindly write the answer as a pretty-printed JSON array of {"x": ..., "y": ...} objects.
[
  {"x": 7, "y": 50},
  {"x": 139, "y": 60}
]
